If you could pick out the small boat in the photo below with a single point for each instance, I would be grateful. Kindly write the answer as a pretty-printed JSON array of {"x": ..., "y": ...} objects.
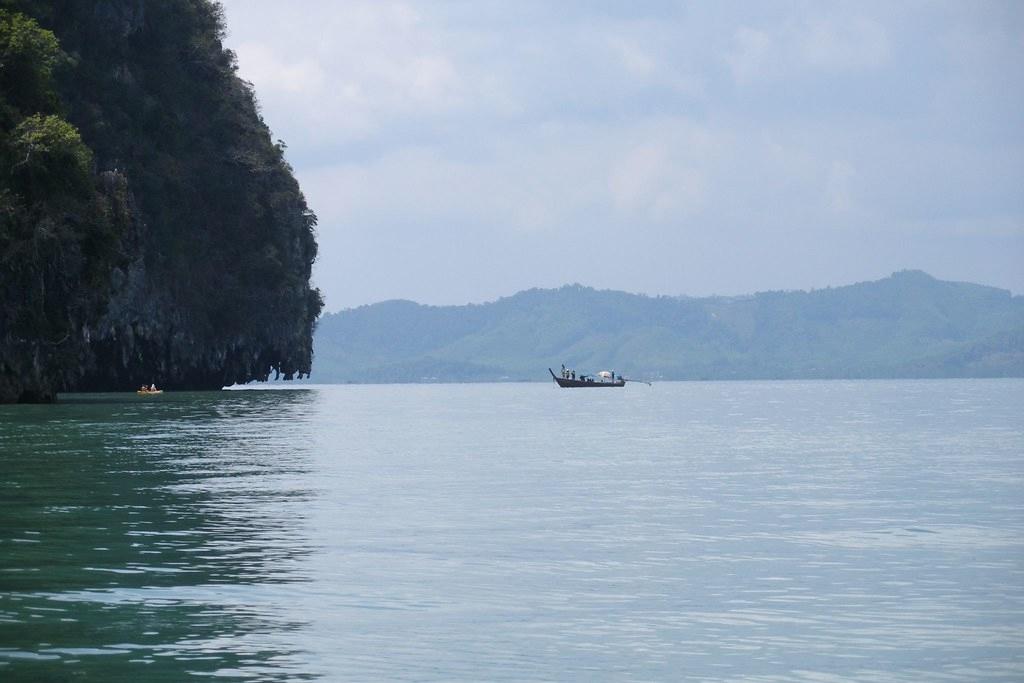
[
  {"x": 149, "y": 392},
  {"x": 604, "y": 379}
]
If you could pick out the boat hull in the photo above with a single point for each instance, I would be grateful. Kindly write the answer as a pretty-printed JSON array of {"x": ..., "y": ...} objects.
[{"x": 583, "y": 383}]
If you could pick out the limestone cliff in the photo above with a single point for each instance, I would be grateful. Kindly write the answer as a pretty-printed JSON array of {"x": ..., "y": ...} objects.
[{"x": 180, "y": 252}]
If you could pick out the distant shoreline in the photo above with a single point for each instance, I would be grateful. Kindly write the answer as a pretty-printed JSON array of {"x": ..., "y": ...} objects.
[{"x": 909, "y": 325}]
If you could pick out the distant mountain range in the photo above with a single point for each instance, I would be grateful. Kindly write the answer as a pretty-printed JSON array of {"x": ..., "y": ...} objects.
[{"x": 906, "y": 325}]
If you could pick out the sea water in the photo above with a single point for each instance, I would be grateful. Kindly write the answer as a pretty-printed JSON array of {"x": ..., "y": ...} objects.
[{"x": 720, "y": 531}]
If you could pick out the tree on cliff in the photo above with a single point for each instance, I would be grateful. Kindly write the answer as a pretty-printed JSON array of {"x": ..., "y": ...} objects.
[
  {"x": 58, "y": 234},
  {"x": 151, "y": 230}
]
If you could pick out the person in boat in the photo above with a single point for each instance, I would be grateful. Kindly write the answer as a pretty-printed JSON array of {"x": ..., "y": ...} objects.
[
  {"x": 152, "y": 387},
  {"x": 143, "y": 388},
  {"x": 574, "y": 374},
  {"x": 564, "y": 373}
]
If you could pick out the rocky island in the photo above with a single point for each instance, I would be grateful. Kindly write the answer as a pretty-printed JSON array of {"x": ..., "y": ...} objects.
[{"x": 150, "y": 228}]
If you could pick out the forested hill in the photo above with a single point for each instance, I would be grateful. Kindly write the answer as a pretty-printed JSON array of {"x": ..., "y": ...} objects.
[
  {"x": 150, "y": 230},
  {"x": 906, "y": 325}
]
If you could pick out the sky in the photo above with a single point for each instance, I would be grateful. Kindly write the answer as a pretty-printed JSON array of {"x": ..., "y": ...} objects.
[{"x": 461, "y": 151}]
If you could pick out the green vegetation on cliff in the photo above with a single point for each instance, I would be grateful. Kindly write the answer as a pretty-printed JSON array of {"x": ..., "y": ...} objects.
[
  {"x": 150, "y": 230},
  {"x": 907, "y": 325}
]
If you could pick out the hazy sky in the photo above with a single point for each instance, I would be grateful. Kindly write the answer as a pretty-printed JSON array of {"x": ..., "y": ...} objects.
[{"x": 462, "y": 151}]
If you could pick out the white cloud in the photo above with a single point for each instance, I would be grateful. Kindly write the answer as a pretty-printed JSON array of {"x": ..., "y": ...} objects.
[
  {"x": 843, "y": 43},
  {"x": 827, "y": 44},
  {"x": 342, "y": 75},
  {"x": 838, "y": 190},
  {"x": 649, "y": 182},
  {"x": 275, "y": 73},
  {"x": 751, "y": 55},
  {"x": 634, "y": 58},
  {"x": 489, "y": 136},
  {"x": 432, "y": 80}
]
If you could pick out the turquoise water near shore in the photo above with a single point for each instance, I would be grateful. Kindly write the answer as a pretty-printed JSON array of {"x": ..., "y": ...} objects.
[{"x": 718, "y": 531}]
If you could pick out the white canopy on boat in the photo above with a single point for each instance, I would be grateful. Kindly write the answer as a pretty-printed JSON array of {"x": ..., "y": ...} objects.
[{"x": 605, "y": 374}]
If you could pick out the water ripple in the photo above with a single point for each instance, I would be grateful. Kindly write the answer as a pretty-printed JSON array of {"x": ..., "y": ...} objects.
[{"x": 762, "y": 531}]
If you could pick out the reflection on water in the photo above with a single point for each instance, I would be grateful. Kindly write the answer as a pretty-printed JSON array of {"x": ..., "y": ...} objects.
[
  {"x": 762, "y": 531},
  {"x": 128, "y": 525}
]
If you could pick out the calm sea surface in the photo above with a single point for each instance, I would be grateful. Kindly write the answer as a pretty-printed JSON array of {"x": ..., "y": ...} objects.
[{"x": 762, "y": 531}]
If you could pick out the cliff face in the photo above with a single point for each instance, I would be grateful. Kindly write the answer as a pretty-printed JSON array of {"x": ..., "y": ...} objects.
[{"x": 199, "y": 275}]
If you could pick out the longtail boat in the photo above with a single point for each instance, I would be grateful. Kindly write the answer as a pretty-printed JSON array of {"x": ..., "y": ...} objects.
[{"x": 603, "y": 379}]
